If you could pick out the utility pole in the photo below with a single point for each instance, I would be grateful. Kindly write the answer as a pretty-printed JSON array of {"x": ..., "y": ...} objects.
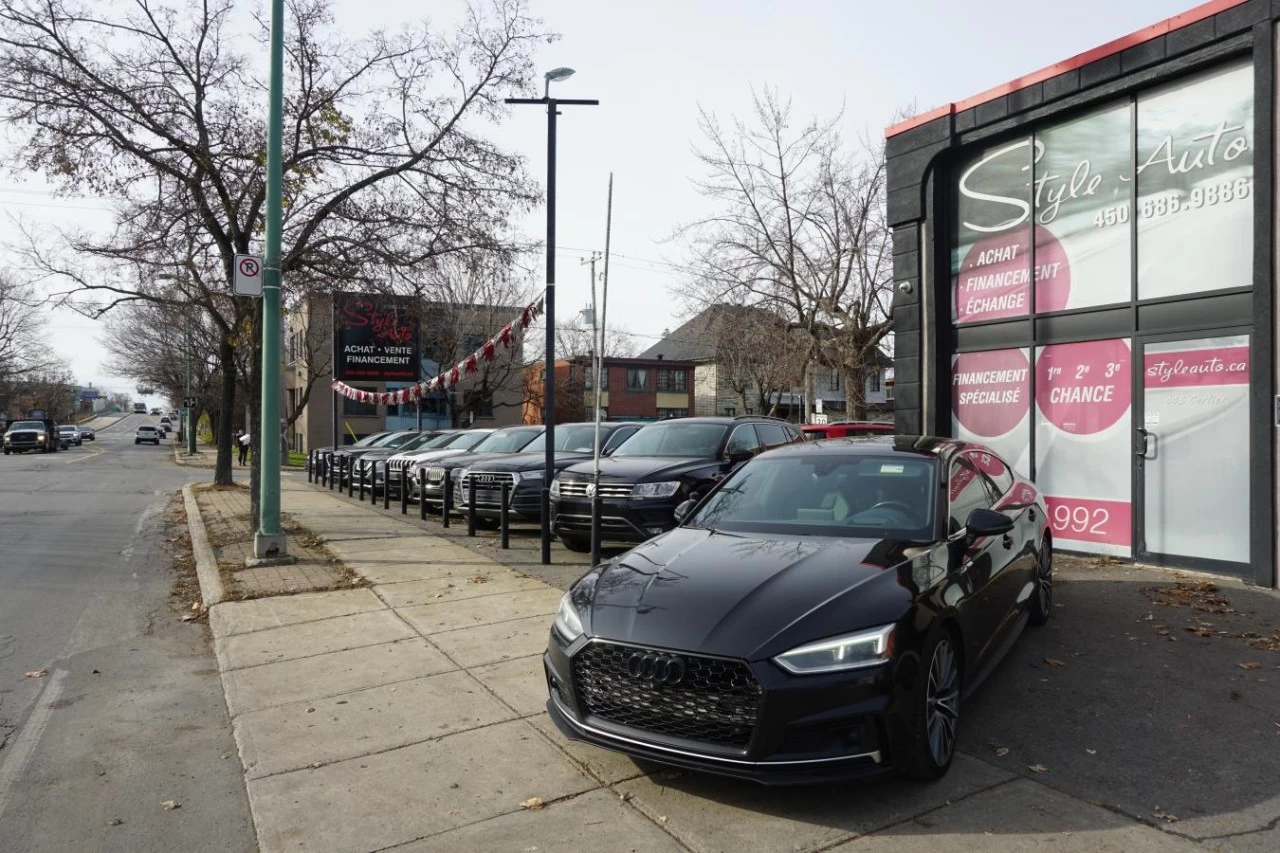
[
  {"x": 269, "y": 541},
  {"x": 189, "y": 428}
]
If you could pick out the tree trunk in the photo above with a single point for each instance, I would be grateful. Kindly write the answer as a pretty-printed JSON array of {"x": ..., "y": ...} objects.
[
  {"x": 255, "y": 416},
  {"x": 855, "y": 392},
  {"x": 227, "y": 361}
]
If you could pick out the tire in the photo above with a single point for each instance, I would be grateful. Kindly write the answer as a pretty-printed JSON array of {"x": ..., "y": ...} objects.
[
  {"x": 933, "y": 729},
  {"x": 137, "y": 441},
  {"x": 576, "y": 544},
  {"x": 1042, "y": 601},
  {"x": 6, "y": 451}
]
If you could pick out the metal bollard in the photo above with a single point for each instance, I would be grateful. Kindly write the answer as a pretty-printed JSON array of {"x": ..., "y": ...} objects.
[
  {"x": 373, "y": 484},
  {"x": 471, "y": 509},
  {"x": 328, "y": 467},
  {"x": 362, "y": 469},
  {"x": 351, "y": 475},
  {"x": 447, "y": 503},
  {"x": 422, "y": 493},
  {"x": 404, "y": 489},
  {"x": 311, "y": 465},
  {"x": 595, "y": 525},
  {"x": 503, "y": 523},
  {"x": 324, "y": 469},
  {"x": 386, "y": 482}
]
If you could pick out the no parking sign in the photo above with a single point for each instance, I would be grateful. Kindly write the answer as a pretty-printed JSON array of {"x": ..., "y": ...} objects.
[{"x": 248, "y": 279}]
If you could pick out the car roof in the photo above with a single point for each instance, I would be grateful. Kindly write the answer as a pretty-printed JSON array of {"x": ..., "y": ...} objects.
[{"x": 876, "y": 445}]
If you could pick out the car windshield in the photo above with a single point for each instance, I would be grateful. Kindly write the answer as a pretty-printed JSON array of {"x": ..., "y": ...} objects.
[
  {"x": 395, "y": 439},
  {"x": 571, "y": 439},
  {"x": 882, "y": 497},
  {"x": 66, "y": 429},
  {"x": 468, "y": 440},
  {"x": 674, "y": 439},
  {"x": 506, "y": 441},
  {"x": 26, "y": 425},
  {"x": 442, "y": 440},
  {"x": 423, "y": 439},
  {"x": 371, "y": 440}
]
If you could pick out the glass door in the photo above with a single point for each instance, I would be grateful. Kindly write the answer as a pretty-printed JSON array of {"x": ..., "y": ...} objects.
[{"x": 1191, "y": 448}]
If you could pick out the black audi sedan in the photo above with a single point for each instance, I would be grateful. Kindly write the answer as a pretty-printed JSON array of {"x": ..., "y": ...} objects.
[
  {"x": 654, "y": 471},
  {"x": 524, "y": 472},
  {"x": 820, "y": 615}
]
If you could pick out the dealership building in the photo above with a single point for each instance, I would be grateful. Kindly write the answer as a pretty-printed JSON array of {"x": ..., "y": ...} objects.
[{"x": 1085, "y": 273}]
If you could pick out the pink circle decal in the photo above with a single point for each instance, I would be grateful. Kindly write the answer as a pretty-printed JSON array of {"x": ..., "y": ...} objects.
[
  {"x": 1086, "y": 387},
  {"x": 990, "y": 391},
  {"x": 994, "y": 279}
]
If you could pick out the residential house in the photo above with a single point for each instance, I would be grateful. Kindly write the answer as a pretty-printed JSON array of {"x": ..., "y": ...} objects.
[{"x": 631, "y": 389}]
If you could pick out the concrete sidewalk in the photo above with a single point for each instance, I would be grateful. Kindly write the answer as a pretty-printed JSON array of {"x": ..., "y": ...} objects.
[{"x": 409, "y": 716}]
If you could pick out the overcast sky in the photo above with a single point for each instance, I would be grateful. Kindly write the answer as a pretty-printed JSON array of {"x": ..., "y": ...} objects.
[{"x": 652, "y": 65}]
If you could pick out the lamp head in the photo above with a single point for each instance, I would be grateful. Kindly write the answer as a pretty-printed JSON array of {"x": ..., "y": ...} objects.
[{"x": 556, "y": 74}]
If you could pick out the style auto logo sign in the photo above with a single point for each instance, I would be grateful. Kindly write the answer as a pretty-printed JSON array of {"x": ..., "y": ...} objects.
[{"x": 377, "y": 339}]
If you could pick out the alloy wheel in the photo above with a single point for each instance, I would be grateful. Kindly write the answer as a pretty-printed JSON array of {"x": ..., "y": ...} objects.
[
  {"x": 942, "y": 702},
  {"x": 1045, "y": 579}
]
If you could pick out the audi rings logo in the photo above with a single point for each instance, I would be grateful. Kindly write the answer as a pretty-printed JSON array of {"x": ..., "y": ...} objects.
[
  {"x": 483, "y": 479},
  {"x": 659, "y": 669}
]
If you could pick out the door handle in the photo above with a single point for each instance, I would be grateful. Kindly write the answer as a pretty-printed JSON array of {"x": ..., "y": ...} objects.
[
  {"x": 1148, "y": 444},
  {"x": 1007, "y": 541}
]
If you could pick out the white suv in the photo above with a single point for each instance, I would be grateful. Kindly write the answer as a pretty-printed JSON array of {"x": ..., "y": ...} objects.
[{"x": 147, "y": 433}]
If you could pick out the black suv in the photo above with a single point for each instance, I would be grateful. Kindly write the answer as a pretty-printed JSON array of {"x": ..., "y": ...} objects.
[
  {"x": 651, "y": 473},
  {"x": 525, "y": 470},
  {"x": 500, "y": 442}
]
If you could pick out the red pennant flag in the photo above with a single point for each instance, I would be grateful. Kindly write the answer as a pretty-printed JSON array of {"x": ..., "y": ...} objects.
[
  {"x": 454, "y": 376},
  {"x": 488, "y": 351},
  {"x": 505, "y": 335},
  {"x": 470, "y": 365},
  {"x": 526, "y": 317}
]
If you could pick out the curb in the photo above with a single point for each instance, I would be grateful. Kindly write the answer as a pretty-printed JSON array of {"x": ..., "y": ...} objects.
[{"x": 211, "y": 591}]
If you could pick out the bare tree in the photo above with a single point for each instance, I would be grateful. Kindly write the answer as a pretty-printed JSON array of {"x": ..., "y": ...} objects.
[
  {"x": 154, "y": 105},
  {"x": 573, "y": 339},
  {"x": 758, "y": 353},
  {"x": 22, "y": 350},
  {"x": 795, "y": 232}
]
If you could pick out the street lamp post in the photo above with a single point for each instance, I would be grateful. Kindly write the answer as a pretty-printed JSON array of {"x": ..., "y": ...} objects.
[
  {"x": 269, "y": 541},
  {"x": 188, "y": 433},
  {"x": 548, "y": 403}
]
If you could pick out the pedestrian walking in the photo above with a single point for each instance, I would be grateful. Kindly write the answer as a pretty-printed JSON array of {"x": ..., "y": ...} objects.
[{"x": 244, "y": 447}]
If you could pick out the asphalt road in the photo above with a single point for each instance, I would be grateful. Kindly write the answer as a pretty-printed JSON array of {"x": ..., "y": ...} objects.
[{"x": 131, "y": 712}]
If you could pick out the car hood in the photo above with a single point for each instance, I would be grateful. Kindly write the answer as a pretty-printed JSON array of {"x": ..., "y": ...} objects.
[
  {"x": 466, "y": 460},
  {"x": 744, "y": 595},
  {"x": 24, "y": 431},
  {"x": 634, "y": 469},
  {"x": 425, "y": 456},
  {"x": 533, "y": 461}
]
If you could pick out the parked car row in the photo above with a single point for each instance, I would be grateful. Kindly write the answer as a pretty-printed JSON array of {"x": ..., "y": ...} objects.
[{"x": 794, "y": 611}]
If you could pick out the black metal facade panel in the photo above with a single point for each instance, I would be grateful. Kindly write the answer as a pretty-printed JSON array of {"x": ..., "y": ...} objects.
[
  {"x": 1241, "y": 18},
  {"x": 1142, "y": 55},
  {"x": 906, "y": 239},
  {"x": 906, "y": 267},
  {"x": 1100, "y": 71},
  {"x": 937, "y": 131},
  {"x": 1026, "y": 98},
  {"x": 1189, "y": 38},
  {"x": 993, "y": 110},
  {"x": 1067, "y": 83},
  {"x": 906, "y": 369}
]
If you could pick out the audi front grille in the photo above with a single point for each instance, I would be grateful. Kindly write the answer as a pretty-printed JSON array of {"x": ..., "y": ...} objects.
[
  {"x": 580, "y": 489},
  {"x": 704, "y": 699}
]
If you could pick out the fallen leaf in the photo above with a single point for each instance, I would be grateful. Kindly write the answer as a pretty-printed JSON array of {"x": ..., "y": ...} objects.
[
  {"x": 170, "y": 805},
  {"x": 1092, "y": 751},
  {"x": 1249, "y": 665},
  {"x": 37, "y": 673},
  {"x": 115, "y": 821},
  {"x": 1002, "y": 751},
  {"x": 479, "y": 579},
  {"x": 1054, "y": 662},
  {"x": 1162, "y": 630},
  {"x": 533, "y": 803},
  {"x": 96, "y": 672},
  {"x": 662, "y": 820},
  {"x": 1038, "y": 768},
  {"x": 1236, "y": 695}
]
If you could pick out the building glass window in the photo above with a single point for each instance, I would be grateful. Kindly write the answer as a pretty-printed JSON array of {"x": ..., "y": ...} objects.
[
  {"x": 873, "y": 381},
  {"x": 991, "y": 402},
  {"x": 478, "y": 403},
  {"x": 673, "y": 413},
  {"x": 355, "y": 409},
  {"x": 673, "y": 380},
  {"x": 1195, "y": 184},
  {"x": 637, "y": 379}
]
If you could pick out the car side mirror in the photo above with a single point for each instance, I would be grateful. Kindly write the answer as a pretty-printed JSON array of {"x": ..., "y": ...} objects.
[
  {"x": 737, "y": 457},
  {"x": 683, "y": 509},
  {"x": 987, "y": 522}
]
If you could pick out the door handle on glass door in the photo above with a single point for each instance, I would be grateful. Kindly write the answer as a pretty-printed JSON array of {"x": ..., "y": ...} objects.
[{"x": 1147, "y": 444}]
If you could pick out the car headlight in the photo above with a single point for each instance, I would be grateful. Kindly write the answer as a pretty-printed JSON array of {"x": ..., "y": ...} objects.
[
  {"x": 461, "y": 474},
  {"x": 435, "y": 475},
  {"x": 534, "y": 475},
  {"x": 567, "y": 623},
  {"x": 852, "y": 651},
  {"x": 656, "y": 490},
  {"x": 555, "y": 488},
  {"x": 39, "y": 438}
]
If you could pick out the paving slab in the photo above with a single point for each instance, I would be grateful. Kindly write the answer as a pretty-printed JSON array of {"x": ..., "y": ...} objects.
[
  {"x": 410, "y": 793},
  {"x": 596, "y": 822},
  {"x": 520, "y": 683},
  {"x": 483, "y": 610},
  {"x": 332, "y": 674},
  {"x": 455, "y": 587},
  {"x": 310, "y": 638},
  {"x": 606, "y": 765},
  {"x": 1020, "y": 815},
  {"x": 240, "y": 617},
  {"x": 297, "y": 735},
  {"x": 398, "y": 570},
  {"x": 716, "y": 815},
  {"x": 493, "y": 643}
]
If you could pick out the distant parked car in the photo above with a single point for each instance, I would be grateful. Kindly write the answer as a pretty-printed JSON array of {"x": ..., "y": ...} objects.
[
  {"x": 155, "y": 411},
  {"x": 166, "y": 424},
  {"x": 148, "y": 434},
  {"x": 88, "y": 434},
  {"x": 70, "y": 433},
  {"x": 847, "y": 429}
]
